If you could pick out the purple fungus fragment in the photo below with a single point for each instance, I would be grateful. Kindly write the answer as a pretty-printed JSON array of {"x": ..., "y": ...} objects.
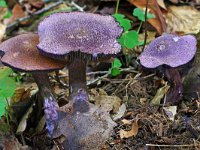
[
  {"x": 79, "y": 37},
  {"x": 20, "y": 53},
  {"x": 172, "y": 51}
]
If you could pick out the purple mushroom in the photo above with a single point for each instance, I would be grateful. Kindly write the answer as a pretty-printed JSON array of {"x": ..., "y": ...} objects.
[
  {"x": 79, "y": 37},
  {"x": 20, "y": 53},
  {"x": 172, "y": 51}
]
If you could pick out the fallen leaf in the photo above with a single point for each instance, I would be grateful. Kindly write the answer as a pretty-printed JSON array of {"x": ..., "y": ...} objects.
[
  {"x": 159, "y": 22},
  {"x": 125, "y": 121},
  {"x": 120, "y": 113},
  {"x": 150, "y": 36},
  {"x": 183, "y": 19},
  {"x": 23, "y": 123},
  {"x": 161, "y": 4},
  {"x": 159, "y": 95},
  {"x": 17, "y": 13},
  {"x": 20, "y": 95},
  {"x": 132, "y": 132},
  {"x": 108, "y": 103},
  {"x": 3, "y": 11},
  {"x": 170, "y": 112},
  {"x": 2, "y": 31},
  {"x": 10, "y": 142}
]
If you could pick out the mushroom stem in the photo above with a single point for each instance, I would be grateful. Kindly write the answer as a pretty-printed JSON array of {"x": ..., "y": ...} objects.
[
  {"x": 77, "y": 75},
  {"x": 43, "y": 83},
  {"x": 50, "y": 104},
  {"x": 175, "y": 93},
  {"x": 77, "y": 83}
]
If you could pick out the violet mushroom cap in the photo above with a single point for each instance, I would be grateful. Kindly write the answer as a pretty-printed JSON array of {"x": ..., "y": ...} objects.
[
  {"x": 169, "y": 49},
  {"x": 20, "y": 53},
  {"x": 93, "y": 35},
  {"x": 79, "y": 37}
]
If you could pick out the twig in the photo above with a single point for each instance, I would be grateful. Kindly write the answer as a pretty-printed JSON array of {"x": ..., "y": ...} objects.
[
  {"x": 191, "y": 145},
  {"x": 97, "y": 79},
  {"x": 145, "y": 24},
  {"x": 97, "y": 72},
  {"x": 10, "y": 26},
  {"x": 130, "y": 70},
  {"x": 77, "y": 6}
]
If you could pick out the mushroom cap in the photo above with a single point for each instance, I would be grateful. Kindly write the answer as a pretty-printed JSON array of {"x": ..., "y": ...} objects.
[
  {"x": 169, "y": 49},
  {"x": 20, "y": 53},
  {"x": 79, "y": 32}
]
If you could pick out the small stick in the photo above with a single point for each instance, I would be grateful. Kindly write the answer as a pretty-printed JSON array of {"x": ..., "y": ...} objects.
[
  {"x": 191, "y": 145},
  {"x": 77, "y": 6},
  {"x": 10, "y": 26}
]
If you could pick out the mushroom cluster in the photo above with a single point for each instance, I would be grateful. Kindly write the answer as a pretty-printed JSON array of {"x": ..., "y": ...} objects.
[{"x": 72, "y": 40}]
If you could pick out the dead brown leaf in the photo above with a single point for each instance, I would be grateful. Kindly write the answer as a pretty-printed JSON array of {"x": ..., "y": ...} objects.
[
  {"x": 125, "y": 121},
  {"x": 108, "y": 102},
  {"x": 21, "y": 94},
  {"x": 161, "y": 4},
  {"x": 132, "y": 132},
  {"x": 3, "y": 11},
  {"x": 183, "y": 19},
  {"x": 159, "y": 95},
  {"x": 17, "y": 13},
  {"x": 158, "y": 23}
]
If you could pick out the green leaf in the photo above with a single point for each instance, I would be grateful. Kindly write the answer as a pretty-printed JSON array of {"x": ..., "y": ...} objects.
[
  {"x": 121, "y": 40},
  {"x": 7, "y": 15},
  {"x": 140, "y": 14},
  {"x": 5, "y": 72},
  {"x": 125, "y": 23},
  {"x": 2, "y": 106},
  {"x": 7, "y": 84},
  {"x": 7, "y": 87},
  {"x": 3, "y": 3},
  {"x": 118, "y": 17},
  {"x": 131, "y": 39},
  {"x": 116, "y": 63},
  {"x": 115, "y": 71},
  {"x": 140, "y": 43}
]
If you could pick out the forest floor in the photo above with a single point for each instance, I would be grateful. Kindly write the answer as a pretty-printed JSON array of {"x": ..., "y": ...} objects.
[{"x": 135, "y": 96}]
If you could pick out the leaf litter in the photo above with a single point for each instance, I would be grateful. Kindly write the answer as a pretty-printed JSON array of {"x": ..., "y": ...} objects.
[{"x": 127, "y": 97}]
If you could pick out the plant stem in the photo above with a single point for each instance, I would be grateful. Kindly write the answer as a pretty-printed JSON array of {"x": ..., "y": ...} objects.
[
  {"x": 7, "y": 113},
  {"x": 139, "y": 27},
  {"x": 117, "y": 6}
]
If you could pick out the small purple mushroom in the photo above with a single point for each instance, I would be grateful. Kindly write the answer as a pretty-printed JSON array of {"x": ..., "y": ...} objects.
[
  {"x": 79, "y": 37},
  {"x": 169, "y": 49},
  {"x": 20, "y": 53},
  {"x": 173, "y": 51}
]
